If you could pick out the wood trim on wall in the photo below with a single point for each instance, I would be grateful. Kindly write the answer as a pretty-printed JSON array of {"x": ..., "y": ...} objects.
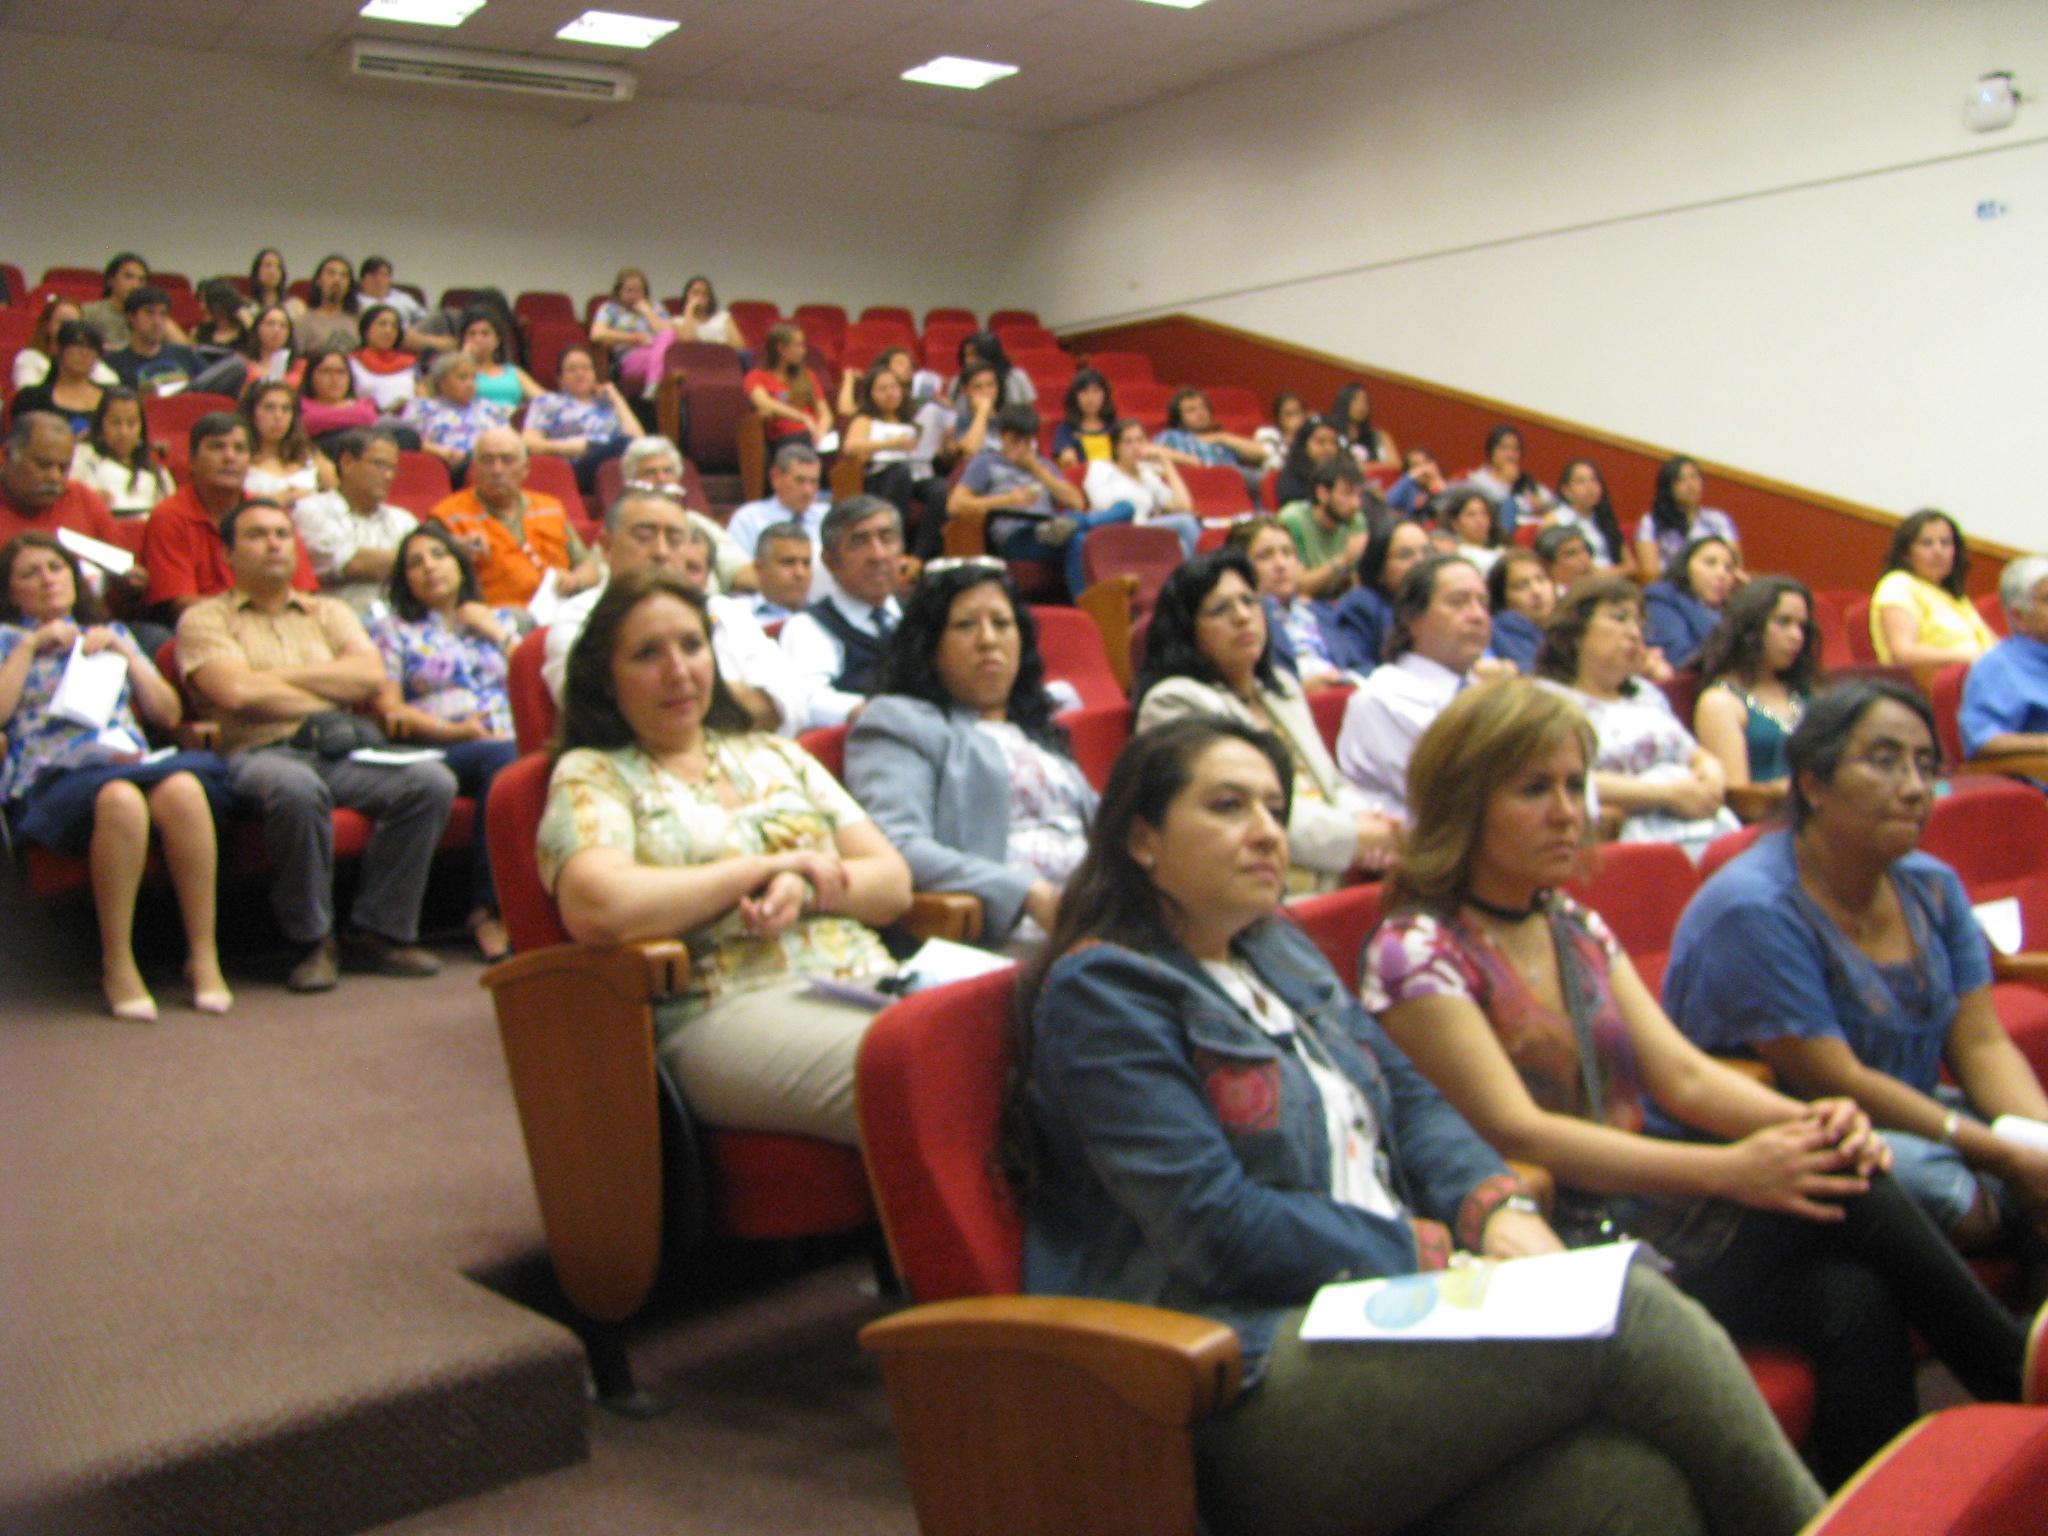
[{"x": 1827, "y": 542}]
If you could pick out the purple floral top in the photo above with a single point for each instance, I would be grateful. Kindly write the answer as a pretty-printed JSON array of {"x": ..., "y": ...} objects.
[
  {"x": 453, "y": 426},
  {"x": 557, "y": 415},
  {"x": 1414, "y": 954},
  {"x": 446, "y": 670},
  {"x": 37, "y": 741}
]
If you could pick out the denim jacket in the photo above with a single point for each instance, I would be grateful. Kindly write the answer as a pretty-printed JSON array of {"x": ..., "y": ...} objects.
[{"x": 1183, "y": 1157}]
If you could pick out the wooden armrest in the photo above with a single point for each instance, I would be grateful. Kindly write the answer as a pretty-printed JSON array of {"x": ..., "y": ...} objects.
[
  {"x": 752, "y": 443},
  {"x": 1755, "y": 802},
  {"x": 966, "y": 534},
  {"x": 668, "y": 404},
  {"x": 1109, "y": 603},
  {"x": 2024, "y": 765},
  {"x": 1760, "y": 1071},
  {"x": 849, "y": 474},
  {"x": 2028, "y": 965},
  {"x": 577, "y": 1026},
  {"x": 944, "y": 915},
  {"x": 909, "y": 572},
  {"x": 1539, "y": 1181}
]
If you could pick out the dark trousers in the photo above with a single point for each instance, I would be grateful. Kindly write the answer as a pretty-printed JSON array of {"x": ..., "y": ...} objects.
[{"x": 475, "y": 764}]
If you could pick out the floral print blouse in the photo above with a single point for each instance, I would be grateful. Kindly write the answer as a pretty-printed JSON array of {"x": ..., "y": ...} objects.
[
  {"x": 455, "y": 427},
  {"x": 447, "y": 670},
  {"x": 37, "y": 741}
]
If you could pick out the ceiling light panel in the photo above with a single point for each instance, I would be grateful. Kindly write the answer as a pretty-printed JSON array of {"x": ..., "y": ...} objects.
[
  {"x": 615, "y": 29},
  {"x": 422, "y": 13},
  {"x": 1178, "y": 5},
  {"x": 960, "y": 74}
]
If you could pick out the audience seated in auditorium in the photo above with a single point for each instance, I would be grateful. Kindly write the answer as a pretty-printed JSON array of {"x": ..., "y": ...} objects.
[
  {"x": 86, "y": 791},
  {"x": 1142, "y": 477},
  {"x": 667, "y": 814},
  {"x": 1034, "y": 512},
  {"x": 450, "y": 417},
  {"x": 1667, "y": 787},
  {"x": 418, "y": 330},
  {"x": 794, "y": 478},
  {"x": 444, "y": 651},
  {"x": 1467, "y": 515},
  {"x": 1517, "y": 494},
  {"x": 1921, "y": 614},
  {"x": 1277, "y": 436},
  {"x": 630, "y": 321},
  {"x": 786, "y": 392},
  {"x": 647, "y": 529},
  {"x": 183, "y": 545},
  {"x": 282, "y": 671},
  {"x": 1180, "y": 1058},
  {"x": 32, "y": 364},
  {"x": 658, "y": 463},
  {"x": 585, "y": 421},
  {"x": 1437, "y": 637},
  {"x": 897, "y": 444},
  {"x": 111, "y": 314},
  {"x": 284, "y": 466},
  {"x": 221, "y": 328},
  {"x": 329, "y": 320},
  {"x": 1519, "y": 1004},
  {"x": 1208, "y": 651},
  {"x": 1677, "y": 517},
  {"x": 782, "y": 568},
  {"x": 117, "y": 460},
  {"x": 1422, "y": 480},
  {"x": 835, "y": 645},
  {"x": 1316, "y": 442},
  {"x": 70, "y": 389},
  {"x": 328, "y": 402},
  {"x": 1851, "y": 962},
  {"x": 513, "y": 536},
  {"x": 268, "y": 347},
  {"x": 1582, "y": 503},
  {"x": 1330, "y": 529},
  {"x": 987, "y": 347},
  {"x": 959, "y": 760},
  {"x": 1365, "y": 615},
  {"x": 487, "y": 341},
  {"x": 1757, "y": 671},
  {"x": 1299, "y": 642},
  {"x": 1567, "y": 555},
  {"x": 895, "y": 360},
  {"x": 383, "y": 372},
  {"x": 37, "y": 493},
  {"x": 1087, "y": 422},
  {"x": 2005, "y": 697},
  {"x": 1682, "y": 607},
  {"x": 270, "y": 284},
  {"x": 1371, "y": 445},
  {"x": 1519, "y": 592},
  {"x": 1193, "y": 437},
  {"x": 352, "y": 533}
]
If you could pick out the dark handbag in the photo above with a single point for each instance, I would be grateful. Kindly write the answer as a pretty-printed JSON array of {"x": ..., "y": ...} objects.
[
  {"x": 335, "y": 733},
  {"x": 1581, "y": 1219}
]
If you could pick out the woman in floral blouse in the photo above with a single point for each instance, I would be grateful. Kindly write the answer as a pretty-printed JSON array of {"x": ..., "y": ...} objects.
[
  {"x": 444, "y": 649},
  {"x": 668, "y": 816},
  {"x": 584, "y": 421},
  {"x": 81, "y": 790},
  {"x": 451, "y": 418}
]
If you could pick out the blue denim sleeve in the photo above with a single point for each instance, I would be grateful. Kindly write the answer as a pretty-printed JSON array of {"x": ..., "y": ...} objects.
[{"x": 1111, "y": 1070}]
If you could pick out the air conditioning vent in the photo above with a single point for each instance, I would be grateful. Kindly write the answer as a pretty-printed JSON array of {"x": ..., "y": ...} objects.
[{"x": 374, "y": 61}]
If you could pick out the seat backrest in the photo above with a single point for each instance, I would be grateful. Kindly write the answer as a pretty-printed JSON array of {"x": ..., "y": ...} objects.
[
  {"x": 1027, "y": 337},
  {"x": 1829, "y": 615},
  {"x": 1992, "y": 831},
  {"x": 1074, "y": 653},
  {"x": 828, "y": 745},
  {"x": 546, "y": 341},
  {"x": 1236, "y": 408},
  {"x": 533, "y": 707},
  {"x": 940, "y": 349},
  {"x": 421, "y": 483},
  {"x": 1340, "y": 922},
  {"x": 1641, "y": 890},
  {"x": 1994, "y": 614},
  {"x": 892, "y": 314},
  {"x": 1122, "y": 368},
  {"x": 1856, "y": 629},
  {"x": 1097, "y": 736},
  {"x": 753, "y": 317},
  {"x": 1728, "y": 845},
  {"x": 1681, "y": 690},
  {"x": 1327, "y": 706},
  {"x": 1150, "y": 554},
  {"x": 168, "y": 418},
  {"x": 16, "y": 326},
  {"x": 1947, "y": 696},
  {"x": 997, "y": 320},
  {"x": 1217, "y": 490},
  {"x": 929, "y": 1084},
  {"x": 519, "y": 794},
  {"x": 538, "y": 305},
  {"x": 952, "y": 316}
]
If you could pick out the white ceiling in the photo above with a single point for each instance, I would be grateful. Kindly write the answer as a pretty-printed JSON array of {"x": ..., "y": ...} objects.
[{"x": 1080, "y": 60}]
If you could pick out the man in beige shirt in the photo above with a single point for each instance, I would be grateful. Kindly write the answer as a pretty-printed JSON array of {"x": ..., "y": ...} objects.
[{"x": 280, "y": 670}]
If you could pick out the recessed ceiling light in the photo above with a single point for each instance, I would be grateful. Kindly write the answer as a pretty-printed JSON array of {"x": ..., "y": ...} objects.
[
  {"x": 961, "y": 74},
  {"x": 422, "y": 13},
  {"x": 1178, "y": 5},
  {"x": 614, "y": 29}
]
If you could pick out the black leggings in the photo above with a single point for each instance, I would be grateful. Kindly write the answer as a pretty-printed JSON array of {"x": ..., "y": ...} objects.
[{"x": 1844, "y": 1294}]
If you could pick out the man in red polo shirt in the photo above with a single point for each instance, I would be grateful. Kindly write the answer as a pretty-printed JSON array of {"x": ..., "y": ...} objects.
[
  {"x": 182, "y": 545},
  {"x": 37, "y": 495}
]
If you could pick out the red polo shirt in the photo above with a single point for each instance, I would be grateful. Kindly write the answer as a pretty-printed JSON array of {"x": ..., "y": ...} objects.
[
  {"x": 80, "y": 509},
  {"x": 185, "y": 556}
]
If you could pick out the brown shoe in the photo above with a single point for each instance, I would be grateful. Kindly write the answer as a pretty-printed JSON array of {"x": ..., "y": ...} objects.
[
  {"x": 318, "y": 969},
  {"x": 374, "y": 953}
]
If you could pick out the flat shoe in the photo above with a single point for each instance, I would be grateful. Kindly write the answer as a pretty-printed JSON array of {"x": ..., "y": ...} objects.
[
  {"x": 213, "y": 1002},
  {"x": 134, "y": 1010}
]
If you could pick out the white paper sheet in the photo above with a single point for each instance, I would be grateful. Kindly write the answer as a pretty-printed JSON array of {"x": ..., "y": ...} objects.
[
  {"x": 90, "y": 687},
  {"x": 546, "y": 598},
  {"x": 1575, "y": 1295},
  {"x": 2021, "y": 1130},
  {"x": 111, "y": 558},
  {"x": 2000, "y": 921},
  {"x": 939, "y": 961},
  {"x": 396, "y": 757}
]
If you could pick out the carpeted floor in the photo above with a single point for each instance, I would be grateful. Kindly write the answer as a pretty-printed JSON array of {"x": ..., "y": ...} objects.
[{"x": 236, "y": 1257}]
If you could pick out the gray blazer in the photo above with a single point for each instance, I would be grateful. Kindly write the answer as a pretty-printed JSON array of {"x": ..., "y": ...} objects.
[{"x": 939, "y": 788}]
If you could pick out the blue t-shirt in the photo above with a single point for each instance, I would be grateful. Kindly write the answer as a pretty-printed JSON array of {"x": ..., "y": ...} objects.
[
  {"x": 1676, "y": 622},
  {"x": 1516, "y": 638},
  {"x": 2005, "y": 693},
  {"x": 1755, "y": 958}
]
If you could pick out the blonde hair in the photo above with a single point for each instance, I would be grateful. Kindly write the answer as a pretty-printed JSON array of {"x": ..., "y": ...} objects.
[{"x": 1488, "y": 735}]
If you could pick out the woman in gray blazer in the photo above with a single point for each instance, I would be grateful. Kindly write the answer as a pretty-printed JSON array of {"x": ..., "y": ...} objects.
[{"x": 959, "y": 761}]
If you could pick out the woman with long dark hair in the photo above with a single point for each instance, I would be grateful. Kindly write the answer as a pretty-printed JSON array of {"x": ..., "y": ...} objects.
[
  {"x": 1683, "y": 607},
  {"x": 786, "y": 394},
  {"x": 1677, "y": 516},
  {"x": 1585, "y": 505},
  {"x": 1920, "y": 614},
  {"x": 1517, "y": 494},
  {"x": 1757, "y": 672},
  {"x": 1352, "y": 412}
]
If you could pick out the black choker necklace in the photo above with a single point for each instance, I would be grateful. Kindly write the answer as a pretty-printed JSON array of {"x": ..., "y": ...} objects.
[{"x": 1507, "y": 914}]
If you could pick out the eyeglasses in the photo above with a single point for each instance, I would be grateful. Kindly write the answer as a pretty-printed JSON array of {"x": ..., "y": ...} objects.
[{"x": 1893, "y": 762}]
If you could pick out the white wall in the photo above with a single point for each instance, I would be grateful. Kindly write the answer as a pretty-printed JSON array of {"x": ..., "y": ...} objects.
[
  {"x": 196, "y": 160},
  {"x": 1743, "y": 228}
]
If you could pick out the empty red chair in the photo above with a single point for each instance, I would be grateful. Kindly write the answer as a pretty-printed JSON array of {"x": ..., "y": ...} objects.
[
  {"x": 1133, "y": 549},
  {"x": 892, "y": 314},
  {"x": 1122, "y": 368},
  {"x": 421, "y": 483},
  {"x": 1074, "y": 654},
  {"x": 1340, "y": 922},
  {"x": 546, "y": 341},
  {"x": 1856, "y": 630},
  {"x": 1008, "y": 319},
  {"x": 753, "y": 317},
  {"x": 168, "y": 418},
  {"x": 1992, "y": 831},
  {"x": 951, "y": 317},
  {"x": 1641, "y": 890},
  {"x": 1236, "y": 409},
  {"x": 1028, "y": 338},
  {"x": 867, "y": 340},
  {"x": 533, "y": 707},
  {"x": 1217, "y": 490},
  {"x": 1946, "y": 694},
  {"x": 14, "y": 286},
  {"x": 940, "y": 351},
  {"x": 537, "y": 305},
  {"x": 1830, "y": 611},
  {"x": 824, "y": 327},
  {"x": 16, "y": 327},
  {"x": 1097, "y": 735}
]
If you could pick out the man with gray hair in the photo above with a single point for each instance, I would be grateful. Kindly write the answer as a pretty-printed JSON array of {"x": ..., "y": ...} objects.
[
  {"x": 351, "y": 533},
  {"x": 658, "y": 462},
  {"x": 647, "y": 529},
  {"x": 793, "y": 482},
  {"x": 835, "y": 645},
  {"x": 2005, "y": 697}
]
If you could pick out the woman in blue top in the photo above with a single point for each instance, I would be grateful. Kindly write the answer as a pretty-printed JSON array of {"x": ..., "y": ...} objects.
[
  {"x": 1365, "y": 614},
  {"x": 1522, "y": 597},
  {"x": 1682, "y": 609},
  {"x": 1204, "y": 1118},
  {"x": 82, "y": 790},
  {"x": 1851, "y": 963},
  {"x": 1757, "y": 671},
  {"x": 445, "y": 651}
]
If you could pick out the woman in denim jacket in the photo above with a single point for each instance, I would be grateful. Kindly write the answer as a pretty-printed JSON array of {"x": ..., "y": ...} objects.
[{"x": 1204, "y": 1118}]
